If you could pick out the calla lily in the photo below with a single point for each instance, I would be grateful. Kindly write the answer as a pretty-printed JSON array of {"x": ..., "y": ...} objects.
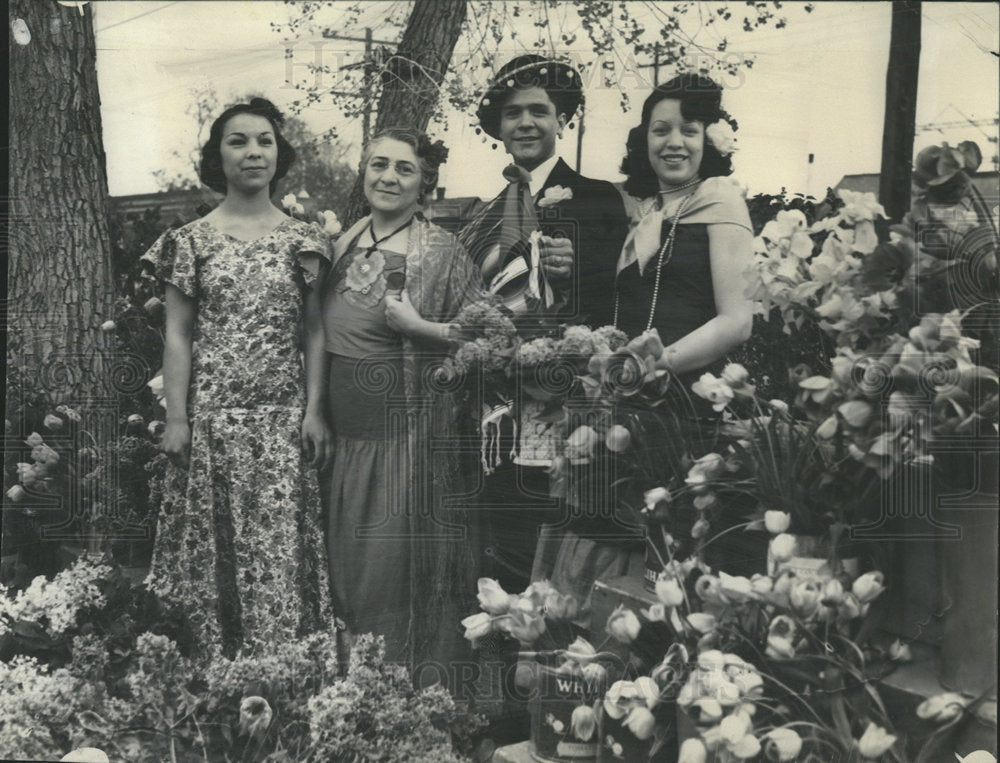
[{"x": 875, "y": 741}]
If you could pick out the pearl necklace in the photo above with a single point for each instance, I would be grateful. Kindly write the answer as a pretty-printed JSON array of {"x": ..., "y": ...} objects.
[{"x": 664, "y": 256}]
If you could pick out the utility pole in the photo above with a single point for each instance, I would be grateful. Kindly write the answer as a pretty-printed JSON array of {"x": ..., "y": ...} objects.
[
  {"x": 899, "y": 123},
  {"x": 369, "y": 66}
]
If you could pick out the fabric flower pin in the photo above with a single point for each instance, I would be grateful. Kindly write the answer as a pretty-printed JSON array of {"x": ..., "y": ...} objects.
[{"x": 554, "y": 195}]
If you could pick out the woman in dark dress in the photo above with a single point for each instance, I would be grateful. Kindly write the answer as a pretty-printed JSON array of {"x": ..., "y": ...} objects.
[{"x": 681, "y": 270}]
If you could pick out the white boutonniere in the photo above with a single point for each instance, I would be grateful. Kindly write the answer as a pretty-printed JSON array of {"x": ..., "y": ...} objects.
[{"x": 554, "y": 195}]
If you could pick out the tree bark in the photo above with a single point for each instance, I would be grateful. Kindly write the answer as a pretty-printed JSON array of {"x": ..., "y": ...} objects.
[
  {"x": 900, "y": 108},
  {"x": 60, "y": 281},
  {"x": 411, "y": 79}
]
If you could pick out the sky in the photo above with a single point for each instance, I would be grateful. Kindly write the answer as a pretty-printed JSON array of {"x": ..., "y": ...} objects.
[{"x": 816, "y": 87}]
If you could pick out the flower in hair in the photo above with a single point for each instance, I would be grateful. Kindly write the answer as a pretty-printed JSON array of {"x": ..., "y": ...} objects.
[
  {"x": 435, "y": 153},
  {"x": 720, "y": 134}
]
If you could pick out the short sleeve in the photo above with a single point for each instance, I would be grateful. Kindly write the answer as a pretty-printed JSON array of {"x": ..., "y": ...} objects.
[
  {"x": 312, "y": 253},
  {"x": 173, "y": 261}
]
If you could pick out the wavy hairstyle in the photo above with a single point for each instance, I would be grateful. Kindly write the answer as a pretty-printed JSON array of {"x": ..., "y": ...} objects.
[
  {"x": 701, "y": 100},
  {"x": 430, "y": 154},
  {"x": 210, "y": 169}
]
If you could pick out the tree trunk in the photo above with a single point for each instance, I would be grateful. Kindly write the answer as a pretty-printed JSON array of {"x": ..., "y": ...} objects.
[
  {"x": 900, "y": 108},
  {"x": 411, "y": 79},
  {"x": 60, "y": 282}
]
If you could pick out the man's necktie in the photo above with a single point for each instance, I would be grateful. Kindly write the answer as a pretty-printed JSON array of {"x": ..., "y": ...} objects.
[{"x": 519, "y": 218}]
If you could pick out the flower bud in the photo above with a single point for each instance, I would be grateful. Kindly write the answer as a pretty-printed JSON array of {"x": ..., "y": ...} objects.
[
  {"x": 255, "y": 716},
  {"x": 700, "y": 528},
  {"x": 34, "y": 440},
  {"x": 154, "y": 308},
  {"x": 827, "y": 429},
  {"x": 654, "y": 496},
  {"x": 17, "y": 493},
  {"x": 900, "y": 652},
  {"x": 52, "y": 422},
  {"x": 156, "y": 429},
  {"x": 804, "y": 597},
  {"x": 692, "y": 751},
  {"x": 875, "y": 741},
  {"x": 477, "y": 626},
  {"x": 702, "y": 622},
  {"x": 595, "y": 674},
  {"x": 108, "y": 326}
]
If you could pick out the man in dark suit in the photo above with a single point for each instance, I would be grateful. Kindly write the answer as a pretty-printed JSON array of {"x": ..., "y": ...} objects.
[{"x": 582, "y": 221}]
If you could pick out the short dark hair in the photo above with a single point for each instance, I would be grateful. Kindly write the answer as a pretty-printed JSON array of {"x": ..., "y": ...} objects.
[
  {"x": 558, "y": 79},
  {"x": 430, "y": 154},
  {"x": 701, "y": 100},
  {"x": 210, "y": 169}
]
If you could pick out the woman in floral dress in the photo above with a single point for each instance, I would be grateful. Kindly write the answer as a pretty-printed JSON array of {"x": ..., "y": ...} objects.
[
  {"x": 238, "y": 537},
  {"x": 399, "y": 547}
]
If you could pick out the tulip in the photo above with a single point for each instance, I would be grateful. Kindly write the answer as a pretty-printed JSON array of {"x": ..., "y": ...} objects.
[
  {"x": 640, "y": 721},
  {"x": 617, "y": 698},
  {"x": 875, "y": 741},
  {"x": 85, "y": 755},
  {"x": 702, "y": 502},
  {"x": 560, "y": 606},
  {"x": 709, "y": 710},
  {"x": 34, "y": 440},
  {"x": 654, "y": 496},
  {"x": 692, "y": 751},
  {"x": 779, "y": 648},
  {"x": 581, "y": 651},
  {"x": 735, "y": 588},
  {"x": 583, "y": 722},
  {"x": 329, "y": 221},
  {"x": 750, "y": 683},
  {"x": 255, "y": 716},
  {"x": 156, "y": 428},
  {"x": 477, "y": 626},
  {"x": 17, "y": 493},
  {"x": 850, "y": 607},
  {"x": 833, "y": 593},
  {"x": 716, "y": 391},
  {"x": 734, "y": 727},
  {"x": 761, "y": 585},
  {"x": 580, "y": 444},
  {"x": 647, "y": 690},
  {"x": 617, "y": 439},
  {"x": 777, "y": 522},
  {"x": 735, "y": 375},
  {"x": 595, "y": 674},
  {"x": 669, "y": 591},
  {"x": 43, "y": 454},
  {"x": 783, "y": 743},
  {"x": 779, "y": 406},
  {"x": 709, "y": 589},
  {"x": 782, "y": 547},
  {"x": 900, "y": 652},
  {"x": 108, "y": 326},
  {"x": 524, "y": 626},
  {"x": 711, "y": 660},
  {"x": 154, "y": 308},
  {"x": 804, "y": 597},
  {"x": 868, "y": 586},
  {"x": 748, "y": 746},
  {"x": 942, "y": 707},
  {"x": 52, "y": 422},
  {"x": 827, "y": 429},
  {"x": 657, "y": 613},
  {"x": 702, "y": 622},
  {"x": 623, "y": 625},
  {"x": 135, "y": 424},
  {"x": 700, "y": 528},
  {"x": 492, "y": 598}
]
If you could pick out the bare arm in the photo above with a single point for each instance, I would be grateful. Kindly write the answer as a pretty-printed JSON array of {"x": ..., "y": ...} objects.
[
  {"x": 180, "y": 318},
  {"x": 730, "y": 255},
  {"x": 315, "y": 432}
]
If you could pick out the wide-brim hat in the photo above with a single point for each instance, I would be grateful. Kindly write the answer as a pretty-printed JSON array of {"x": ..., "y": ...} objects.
[{"x": 560, "y": 80}]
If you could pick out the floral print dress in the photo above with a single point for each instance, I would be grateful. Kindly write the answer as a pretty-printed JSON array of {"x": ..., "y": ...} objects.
[{"x": 239, "y": 537}]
